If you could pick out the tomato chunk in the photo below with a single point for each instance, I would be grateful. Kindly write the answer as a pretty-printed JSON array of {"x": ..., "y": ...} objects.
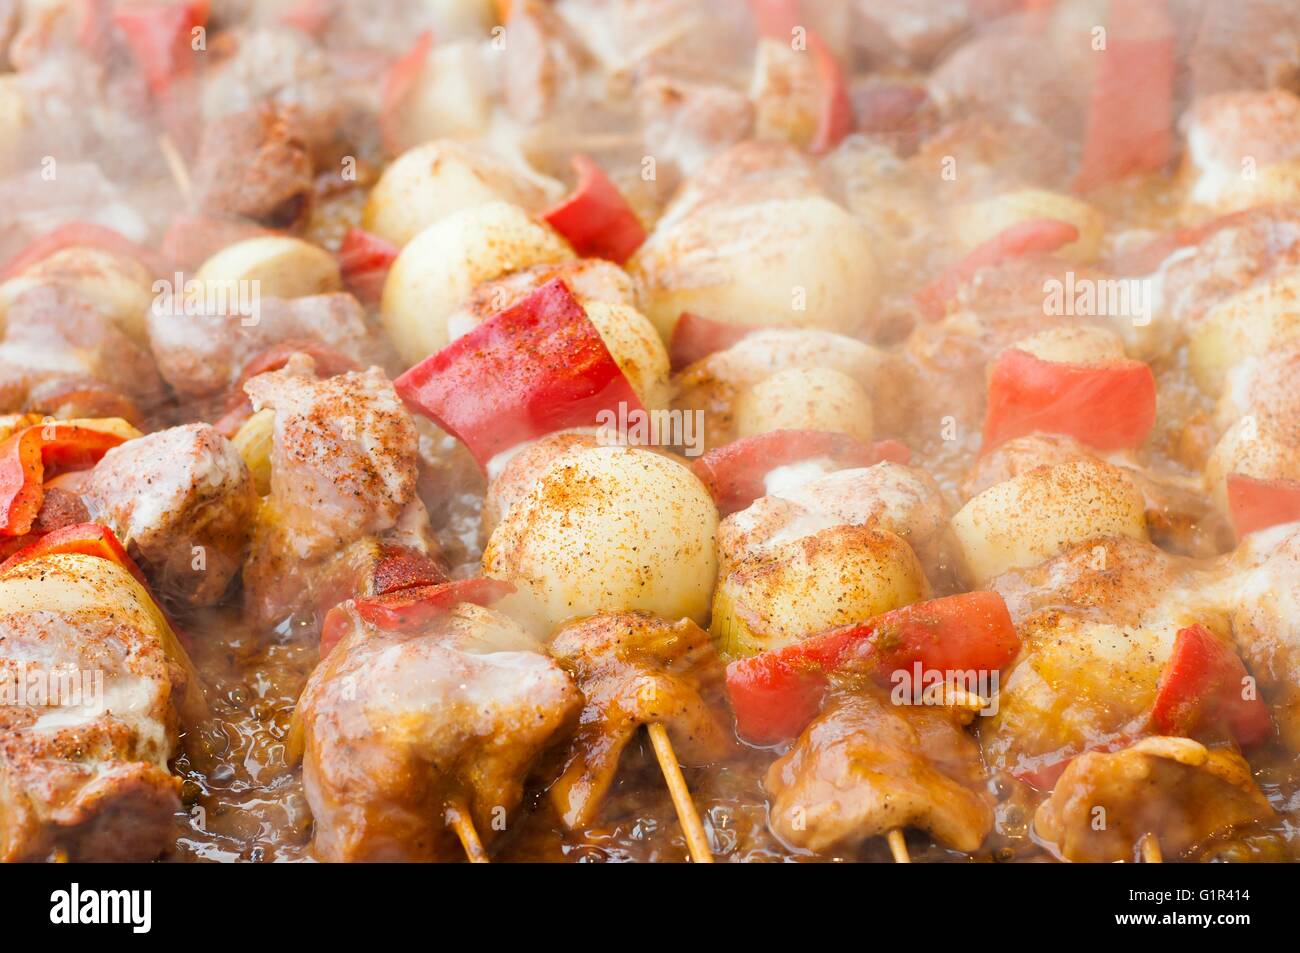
[
  {"x": 364, "y": 260},
  {"x": 25, "y": 458},
  {"x": 1255, "y": 504},
  {"x": 596, "y": 219},
  {"x": 407, "y": 609},
  {"x": 774, "y": 695},
  {"x": 89, "y": 539},
  {"x": 1039, "y": 236},
  {"x": 530, "y": 370},
  {"x": 734, "y": 473},
  {"x": 1110, "y": 406},
  {"x": 1202, "y": 691},
  {"x": 1130, "y": 126}
]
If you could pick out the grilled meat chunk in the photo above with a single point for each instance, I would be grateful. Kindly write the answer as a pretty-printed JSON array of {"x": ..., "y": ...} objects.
[
  {"x": 634, "y": 669},
  {"x": 182, "y": 502},
  {"x": 1173, "y": 789},
  {"x": 865, "y": 767},
  {"x": 397, "y": 726}
]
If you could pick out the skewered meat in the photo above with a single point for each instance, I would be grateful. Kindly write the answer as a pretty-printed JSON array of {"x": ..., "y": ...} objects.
[
  {"x": 202, "y": 355},
  {"x": 691, "y": 122},
  {"x": 1174, "y": 789},
  {"x": 183, "y": 503},
  {"x": 53, "y": 333},
  {"x": 866, "y": 767},
  {"x": 395, "y": 725},
  {"x": 634, "y": 669},
  {"x": 343, "y": 466},
  {"x": 84, "y": 775},
  {"x": 254, "y": 165},
  {"x": 1254, "y": 44}
]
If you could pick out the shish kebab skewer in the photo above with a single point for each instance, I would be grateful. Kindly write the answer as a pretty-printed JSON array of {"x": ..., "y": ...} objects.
[{"x": 529, "y": 371}]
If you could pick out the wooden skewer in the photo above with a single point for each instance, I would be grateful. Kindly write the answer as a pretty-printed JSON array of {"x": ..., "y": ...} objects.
[
  {"x": 689, "y": 818},
  {"x": 1150, "y": 848},
  {"x": 176, "y": 165},
  {"x": 459, "y": 820},
  {"x": 898, "y": 847}
]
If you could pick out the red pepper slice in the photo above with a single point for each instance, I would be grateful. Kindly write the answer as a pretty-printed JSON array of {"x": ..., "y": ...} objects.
[
  {"x": 1255, "y": 504},
  {"x": 774, "y": 695},
  {"x": 1131, "y": 111},
  {"x": 835, "y": 118},
  {"x": 695, "y": 337},
  {"x": 25, "y": 458},
  {"x": 530, "y": 370},
  {"x": 777, "y": 20},
  {"x": 734, "y": 473},
  {"x": 399, "y": 83},
  {"x": 1033, "y": 237},
  {"x": 88, "y": 539},
  {"x": 408, "y": 609},
  {"x": 72, "y": 234},
  {"x": 159, "y": 35},
  {"x": 596, "y": 219},
  {"x": 401, "y": 567},
  {"x": 337, "y": 624},
  {"x": 1200, "y": 691},
  {"x": 364, "y": 260},
  {"x": 1110, "y": 406}
]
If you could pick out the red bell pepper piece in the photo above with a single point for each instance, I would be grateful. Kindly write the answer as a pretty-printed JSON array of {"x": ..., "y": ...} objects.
[
  {"x": 1131, "y": 112},
  {"x": 695, "y": 338},
  {"x": 399, "y": 83},
  {"x": 774, "y": 695},
  {"x": 338, "y": 622},
  {"x": 88, "y": 539},
  {"x": 72, "y": 234},
  {"x": 1255, "y": 504},
  {"x": 1036, "y": 236},
  {"x": 777, "y": 20},
  {"x": 596, "y": 219},
  {"x": 734, "y": 473},
  {"x": 364, "y": 260},
  {"x": 401, "y": 567},
  {"x": 1110, "y": 406},
  {"x": 159, "y": 35},
  {"x": 408, "y": 609},
  {"x": 530, "y": 370},
  {"x": 835, "y": 117},
  {"x": 27, "y": 455},
  {"x": 1201, "y": 691}
]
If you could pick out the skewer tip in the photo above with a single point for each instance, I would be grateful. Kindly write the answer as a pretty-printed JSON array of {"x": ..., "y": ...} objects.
[{"x": 898, "y": 847}]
